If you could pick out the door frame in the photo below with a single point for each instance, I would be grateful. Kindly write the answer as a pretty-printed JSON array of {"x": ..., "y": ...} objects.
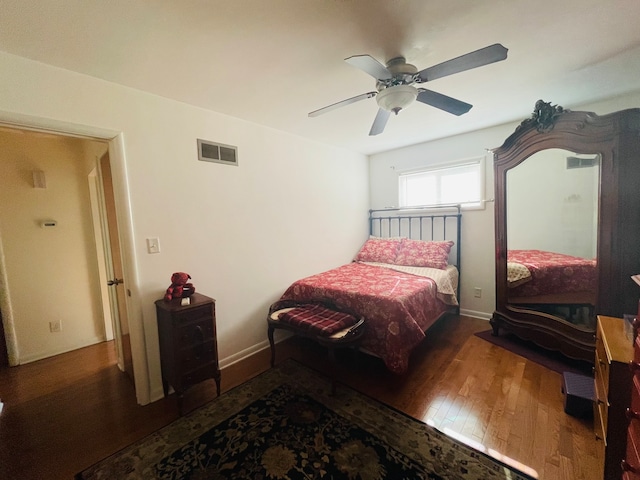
[{"x": 115, "y": 140}]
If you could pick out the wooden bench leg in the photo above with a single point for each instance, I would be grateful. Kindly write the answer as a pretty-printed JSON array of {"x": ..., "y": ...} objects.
[{"x": 332, "y": 369}]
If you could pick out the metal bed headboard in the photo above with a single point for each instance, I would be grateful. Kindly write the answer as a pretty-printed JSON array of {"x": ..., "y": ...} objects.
[{"x": 441, "y": 222}]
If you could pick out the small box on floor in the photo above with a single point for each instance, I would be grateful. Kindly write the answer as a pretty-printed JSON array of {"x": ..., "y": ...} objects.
[{"x": 579, "y": 393}]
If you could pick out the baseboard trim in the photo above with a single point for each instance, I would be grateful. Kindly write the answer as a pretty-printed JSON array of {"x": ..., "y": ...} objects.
[
  {"x": 247, "y": 352},
  {"x": 34, "y": 357},
  {"x": 473, "y": 313}
]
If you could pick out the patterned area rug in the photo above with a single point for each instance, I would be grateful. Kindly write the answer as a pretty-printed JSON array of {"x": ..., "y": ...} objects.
[{"x": 284, "y": 424}]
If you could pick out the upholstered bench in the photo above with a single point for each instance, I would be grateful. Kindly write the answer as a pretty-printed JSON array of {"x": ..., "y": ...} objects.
[{"x": 327, "y": 326}]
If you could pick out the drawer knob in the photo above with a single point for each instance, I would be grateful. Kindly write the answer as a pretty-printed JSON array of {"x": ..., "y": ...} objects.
[
  {"x": 627, "y": 467},
  {"x": 634, "y": 366},
  {"x": 631, "y": 415},
  {"x": 199, "y": 334},
  {"x": 199, "y": 347}
]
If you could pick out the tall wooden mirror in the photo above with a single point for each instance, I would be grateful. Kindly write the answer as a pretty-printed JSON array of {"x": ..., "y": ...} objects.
[{"x": 567, "y": 213}]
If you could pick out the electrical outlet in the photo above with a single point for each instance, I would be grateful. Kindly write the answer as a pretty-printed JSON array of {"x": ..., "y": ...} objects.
[
  {"x": 477, "y": 292},
  {"x": 55, "y": 326}
]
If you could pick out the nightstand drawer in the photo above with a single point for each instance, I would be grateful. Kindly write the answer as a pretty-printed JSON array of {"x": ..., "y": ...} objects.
[
  {"x": 193, "y": 314},
  {"x": 197, "y": 355},
  {"x": 203, "y": 373},
  {"x": 195, "y": 333}
]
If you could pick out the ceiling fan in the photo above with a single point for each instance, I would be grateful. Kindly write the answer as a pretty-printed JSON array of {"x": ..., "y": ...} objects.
[{"x": 398, "y": 83}]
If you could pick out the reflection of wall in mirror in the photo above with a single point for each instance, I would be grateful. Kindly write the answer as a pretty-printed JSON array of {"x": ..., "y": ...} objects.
[{"x": 551, "y": 207}]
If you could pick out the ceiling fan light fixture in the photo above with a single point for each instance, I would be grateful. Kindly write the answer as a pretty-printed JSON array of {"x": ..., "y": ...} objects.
[{"x": 397, "y": 97}]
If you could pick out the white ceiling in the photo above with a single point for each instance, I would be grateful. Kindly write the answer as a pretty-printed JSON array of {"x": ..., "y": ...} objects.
[{"x": 273, "y": 61}]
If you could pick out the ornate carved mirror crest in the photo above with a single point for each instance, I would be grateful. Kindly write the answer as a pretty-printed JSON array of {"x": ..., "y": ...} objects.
[{"x": 544, "y": 116}]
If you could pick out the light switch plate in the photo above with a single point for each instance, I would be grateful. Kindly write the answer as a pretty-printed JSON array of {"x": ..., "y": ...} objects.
[{"x": 153, "y": 245}]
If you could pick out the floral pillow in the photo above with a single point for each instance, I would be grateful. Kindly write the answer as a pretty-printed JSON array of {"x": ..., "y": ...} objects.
[
  {"x": 420, "y": 253},
  {"x": 379, "y": 250}
]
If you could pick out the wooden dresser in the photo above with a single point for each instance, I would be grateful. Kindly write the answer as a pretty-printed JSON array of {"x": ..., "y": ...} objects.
[
  {"x": 631, "y": 463},
  {"x": 614, "y": 351},
  {"x": 188, "y": 343}
]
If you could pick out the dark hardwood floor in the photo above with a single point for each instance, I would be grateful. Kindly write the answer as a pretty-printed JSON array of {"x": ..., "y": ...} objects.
[{"x": 65, "y": 413}]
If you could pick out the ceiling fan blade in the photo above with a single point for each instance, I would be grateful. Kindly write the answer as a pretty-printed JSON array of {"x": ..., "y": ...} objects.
[
  {"x": 348, "y": 101},
  {"x": 484, "y": 56},
  {"x": 443, "y": 102},
  {"x": 380, "y": 122},
  {"x": 369, "y": 65}
]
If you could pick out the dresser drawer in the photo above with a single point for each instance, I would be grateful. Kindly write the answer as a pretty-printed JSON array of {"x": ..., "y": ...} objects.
[
  {"x": 602, "y": 365},
  {"x": 632, "y": 458},
  {"x": 635, "y": 395},
  {"x": 600, "y": 412},
  {"x": 601, "y": 403}
]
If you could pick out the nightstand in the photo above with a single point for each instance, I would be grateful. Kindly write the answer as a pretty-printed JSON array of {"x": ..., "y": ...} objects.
[{"x": 188, "y": 343}]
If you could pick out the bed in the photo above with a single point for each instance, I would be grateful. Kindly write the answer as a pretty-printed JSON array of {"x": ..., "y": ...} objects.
[
  {"x": 403, "y": 279},
  {"x": 537, "y": 276}
]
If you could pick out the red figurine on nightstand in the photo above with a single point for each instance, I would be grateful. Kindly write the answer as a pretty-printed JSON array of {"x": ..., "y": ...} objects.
[{"x": 179, "y": 287}]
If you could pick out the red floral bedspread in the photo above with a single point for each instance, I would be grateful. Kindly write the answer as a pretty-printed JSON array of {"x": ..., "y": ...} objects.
[
  {"x": 397, "y": 307},
  {"x": 553, "y": 273}
]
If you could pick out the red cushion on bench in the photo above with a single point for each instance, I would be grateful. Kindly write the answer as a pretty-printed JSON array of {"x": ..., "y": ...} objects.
[{"x": 317, "y": 319}]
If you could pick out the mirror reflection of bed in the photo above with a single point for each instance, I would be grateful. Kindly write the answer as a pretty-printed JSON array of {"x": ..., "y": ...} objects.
[{"x": 552, "y": 233}]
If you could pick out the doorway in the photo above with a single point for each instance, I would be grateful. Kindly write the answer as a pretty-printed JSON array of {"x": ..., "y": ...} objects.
[{"x": 85, "y": 152}]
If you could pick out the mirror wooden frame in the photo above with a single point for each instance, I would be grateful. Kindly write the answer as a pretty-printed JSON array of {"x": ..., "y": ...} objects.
[{"x": 616, "y": 137}]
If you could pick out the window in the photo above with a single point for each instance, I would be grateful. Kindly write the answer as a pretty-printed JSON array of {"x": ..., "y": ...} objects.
[{"x": 460, "y": 183}]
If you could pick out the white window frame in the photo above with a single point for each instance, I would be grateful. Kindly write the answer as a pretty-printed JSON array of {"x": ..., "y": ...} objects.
[{"x": 438, "y": 169}]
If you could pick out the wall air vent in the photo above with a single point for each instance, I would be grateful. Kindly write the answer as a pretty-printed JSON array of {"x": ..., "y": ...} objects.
[
  {"x": 582, "y": 162},
  {"x": 217, "y": 153}
]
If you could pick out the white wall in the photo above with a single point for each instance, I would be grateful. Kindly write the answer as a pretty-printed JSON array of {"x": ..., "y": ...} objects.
[
  {"x": 291, "y": 208},
  {"x": 52, "y": 272},
  {"x": 478, "y": 246}
]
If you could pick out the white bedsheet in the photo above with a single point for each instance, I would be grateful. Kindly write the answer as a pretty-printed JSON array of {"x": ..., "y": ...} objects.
[{"x": 446, "y": 280}]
